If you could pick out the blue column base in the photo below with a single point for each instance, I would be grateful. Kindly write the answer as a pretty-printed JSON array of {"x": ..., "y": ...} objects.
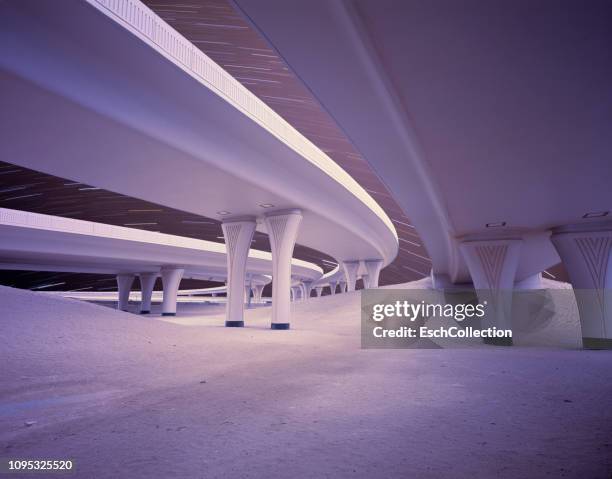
[
  {"x": 168, "y": 314},
  {"x": 145, "y": 312},
  {"x": 280, "y": 326},
  {"x": 234, "y": 324}
]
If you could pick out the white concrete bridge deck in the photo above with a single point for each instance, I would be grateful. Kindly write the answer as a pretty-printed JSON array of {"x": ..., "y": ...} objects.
[{"x": 31, "y": 241}]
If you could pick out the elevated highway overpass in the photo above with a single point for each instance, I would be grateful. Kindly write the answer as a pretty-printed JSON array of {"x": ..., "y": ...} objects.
[
  {"x": 106, "y": 93},
  {"x": 31, "y": 241},
  {"x": 489, "y": 122}
]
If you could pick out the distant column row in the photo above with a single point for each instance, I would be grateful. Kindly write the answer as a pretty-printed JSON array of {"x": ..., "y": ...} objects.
[
  {"x": 171, "y": 278},
  {"x": 282, "y": 228}
]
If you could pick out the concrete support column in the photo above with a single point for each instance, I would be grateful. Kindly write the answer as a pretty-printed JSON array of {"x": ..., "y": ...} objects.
[
  {"x": 586, "y": 252},
  {"x": 373, "y": 267},
  {"x": 350, "y": 273},
  {"x": 282, "y": 229},
  {"x": 307, "y": 288},
  {"x": 293, "y": 293},
  {"x": 492, "y": 265},
  {"x": 332, "y": 287},
  {"x": 147, "y": 283},
  {"x": 318, "y": 291},
  {"x": 247, "y": 295},
  {"x": 124, "y": 286},
  {"x": 342, "y": 286},
  {"x": 238, "y": 234},
  {"x": 257, "y": 292},
  {"x": 171, "y": 279}
]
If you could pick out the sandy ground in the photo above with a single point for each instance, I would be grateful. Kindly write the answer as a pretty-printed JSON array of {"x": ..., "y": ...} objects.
[{"x": 138, "y": 397}]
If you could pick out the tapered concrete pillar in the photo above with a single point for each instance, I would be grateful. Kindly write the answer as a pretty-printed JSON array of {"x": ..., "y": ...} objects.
[
  {"x": 307, "y": 288},
  {"x": 257, "y": 292},
  {"x": 586, "y": 252},
  {"x": 293, "y": 294},
  {"x": 171, "y": 279},
  {"x": 238, "y": 233},
  {"x": 492, "y": 265},
  {"x": 147, "y": 283},
  {"x": 318, "y": 291},
  {"x": 282, "y": 229},
  {"x": 350, "y": 273},
  {"x": 342, "y": 286},
  {"x": 332, "y": 287},
  {"x": 302, "y": 293},
  {"x": 247, "y": 296},
  {"x": 124, "y": 286},
  {"x": 372, "y": 267}
]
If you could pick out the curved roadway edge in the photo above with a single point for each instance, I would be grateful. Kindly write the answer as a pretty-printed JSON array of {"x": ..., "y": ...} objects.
[
  {"x": 384, "y": 135},
  {"x": 387, "y": 136},
  {"x": 33, "y": 241},
  {"x": 147, "y": 108}
]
